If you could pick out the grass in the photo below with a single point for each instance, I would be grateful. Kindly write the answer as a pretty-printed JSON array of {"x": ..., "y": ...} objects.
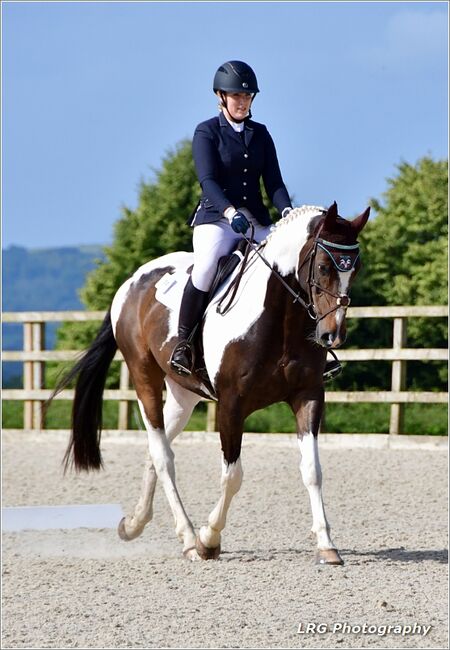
[{"x": 420, "y": 419}]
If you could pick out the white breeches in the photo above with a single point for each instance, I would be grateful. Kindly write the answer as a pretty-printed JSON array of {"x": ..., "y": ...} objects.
[{"x": 212, "y": 241}]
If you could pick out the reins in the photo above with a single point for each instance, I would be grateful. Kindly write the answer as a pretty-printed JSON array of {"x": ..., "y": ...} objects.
[
  {"x": 234, "y": 284},
  {"x": 342, "y": 300}
]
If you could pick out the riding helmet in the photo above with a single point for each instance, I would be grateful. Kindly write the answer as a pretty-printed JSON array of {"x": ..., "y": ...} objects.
[{"x": 235, "y": 77}]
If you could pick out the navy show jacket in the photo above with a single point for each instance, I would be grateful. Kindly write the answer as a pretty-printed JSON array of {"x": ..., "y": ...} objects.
[{"x": 229, "y": 167}]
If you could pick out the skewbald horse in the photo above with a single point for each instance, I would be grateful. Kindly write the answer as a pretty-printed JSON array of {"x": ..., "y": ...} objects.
[{"x": 266, "y": 348}]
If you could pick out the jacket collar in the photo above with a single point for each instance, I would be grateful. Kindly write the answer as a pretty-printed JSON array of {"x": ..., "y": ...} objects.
[
  {"x": 248, "y": 128},
  {"x": 224, "y": 122}
]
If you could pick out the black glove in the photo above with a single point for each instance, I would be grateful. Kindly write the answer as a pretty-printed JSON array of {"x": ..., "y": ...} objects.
[{"x": 239, "y": 223}]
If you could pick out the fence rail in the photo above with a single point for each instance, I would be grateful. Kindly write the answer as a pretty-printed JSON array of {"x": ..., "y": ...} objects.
[{"x": 34, "y": 357}]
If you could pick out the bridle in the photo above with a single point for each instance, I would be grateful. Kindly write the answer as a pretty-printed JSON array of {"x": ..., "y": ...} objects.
[{"x": 344, "y": 258}]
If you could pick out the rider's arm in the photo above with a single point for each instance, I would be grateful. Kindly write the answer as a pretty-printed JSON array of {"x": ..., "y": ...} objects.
[{"x": 206, "y": 159}]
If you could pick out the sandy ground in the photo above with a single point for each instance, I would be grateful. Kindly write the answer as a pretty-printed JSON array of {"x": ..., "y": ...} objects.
[{"x": 87, "y": 588}]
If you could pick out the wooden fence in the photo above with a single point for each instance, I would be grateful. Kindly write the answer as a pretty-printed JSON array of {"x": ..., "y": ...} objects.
[{"x": 34, "y": 357}]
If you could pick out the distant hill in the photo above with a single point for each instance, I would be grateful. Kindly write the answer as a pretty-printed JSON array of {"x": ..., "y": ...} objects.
[{"x": 41, "y": 280}]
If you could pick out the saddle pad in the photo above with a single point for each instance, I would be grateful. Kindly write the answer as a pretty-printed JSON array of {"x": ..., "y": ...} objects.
[{"x": 169, "y": 289}]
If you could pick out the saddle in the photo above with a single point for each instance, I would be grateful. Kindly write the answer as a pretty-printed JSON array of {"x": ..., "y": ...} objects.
[{"x": 225, "y": 267}]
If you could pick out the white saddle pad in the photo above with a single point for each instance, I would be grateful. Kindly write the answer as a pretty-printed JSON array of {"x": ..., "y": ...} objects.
[{"x": 169, "y": 289}]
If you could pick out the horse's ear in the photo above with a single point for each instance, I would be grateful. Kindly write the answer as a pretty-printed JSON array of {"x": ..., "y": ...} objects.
[
  {"x": 359, "y": 222},
  {"x": 331, "y": 216}
]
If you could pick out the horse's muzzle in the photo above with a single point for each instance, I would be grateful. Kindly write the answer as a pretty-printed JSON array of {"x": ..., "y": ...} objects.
[{"x": 331, "y": 339}]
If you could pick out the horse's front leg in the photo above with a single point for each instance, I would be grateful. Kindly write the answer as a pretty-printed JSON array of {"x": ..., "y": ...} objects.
[
  {"x": 308, "y": 413},
  {"x": 231, "y": 427}
]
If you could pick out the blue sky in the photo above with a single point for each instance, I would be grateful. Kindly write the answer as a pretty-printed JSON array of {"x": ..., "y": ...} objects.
[{"x": 96, "y": 93}]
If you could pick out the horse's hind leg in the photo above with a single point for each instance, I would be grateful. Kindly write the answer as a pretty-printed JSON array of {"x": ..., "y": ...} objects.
[
  {"x": 131, "y": 526},
  {"x": 148, "y": 380},
  {"x": 208, "y": 540},
  {"x": 177, "y": 410}
]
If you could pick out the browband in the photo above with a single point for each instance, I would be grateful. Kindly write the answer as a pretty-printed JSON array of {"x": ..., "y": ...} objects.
[{"x": 344, "y": 257}]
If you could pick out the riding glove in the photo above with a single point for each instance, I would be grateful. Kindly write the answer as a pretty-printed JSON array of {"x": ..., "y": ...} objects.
[{"x": 239, "y": 223}]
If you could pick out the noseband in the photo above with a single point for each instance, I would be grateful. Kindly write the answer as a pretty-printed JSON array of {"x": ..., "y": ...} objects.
[{"x": 344, "y": 258}]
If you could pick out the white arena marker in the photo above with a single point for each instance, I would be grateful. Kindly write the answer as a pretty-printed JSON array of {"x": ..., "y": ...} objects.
[{"x": 59, "y": 517}]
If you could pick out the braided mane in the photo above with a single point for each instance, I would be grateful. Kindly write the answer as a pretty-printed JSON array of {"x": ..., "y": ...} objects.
[
  {"x": 306, "y": 212},
  {"x": 288, "y": 236}
]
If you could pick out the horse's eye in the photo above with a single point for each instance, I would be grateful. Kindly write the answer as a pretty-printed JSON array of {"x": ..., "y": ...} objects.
[{"x": 323, "y": 269}]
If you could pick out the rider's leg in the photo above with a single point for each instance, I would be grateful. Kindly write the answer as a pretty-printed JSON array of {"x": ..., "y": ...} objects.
[
  {"x": 192, "y": 307},
  {"x": 211, "y": 241}
]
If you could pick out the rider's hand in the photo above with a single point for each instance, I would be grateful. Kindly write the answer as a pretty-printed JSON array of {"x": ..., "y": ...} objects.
[{"x": 239, "y": 223}]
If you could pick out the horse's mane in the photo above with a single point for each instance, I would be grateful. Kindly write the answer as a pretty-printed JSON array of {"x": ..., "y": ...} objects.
[
  {"x": 304, "y": 212},
  {"x": 289, "y": 235}
]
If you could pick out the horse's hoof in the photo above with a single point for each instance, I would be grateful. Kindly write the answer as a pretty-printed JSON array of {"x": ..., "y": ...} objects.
[
  {"x": 206, "y": 553},
  {"x": 329, "y": 556},
  {"x": 191, "y": 554},
  {"x": 122, "y": 532},
  {"x": 127, "y": 537}
]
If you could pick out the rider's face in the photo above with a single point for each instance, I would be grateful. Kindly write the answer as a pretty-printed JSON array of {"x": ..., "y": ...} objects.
[{"x": 238, "y": 105}]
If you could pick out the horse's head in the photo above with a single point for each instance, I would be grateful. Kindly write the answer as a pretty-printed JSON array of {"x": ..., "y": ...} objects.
[{"x": 328, "y": 264}]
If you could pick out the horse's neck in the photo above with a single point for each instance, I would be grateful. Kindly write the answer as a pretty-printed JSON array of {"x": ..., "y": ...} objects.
[{"x": 288, "y": 238}]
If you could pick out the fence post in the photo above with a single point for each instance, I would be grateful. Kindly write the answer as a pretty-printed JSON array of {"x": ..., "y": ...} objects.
[
  {"x": 38, "y": 374},
  {"x": 398, "y": 377},
  {"x": 124, "y": 405},
  {"x": 211, "y": 416},
  {"x": 28, "y": 375}
]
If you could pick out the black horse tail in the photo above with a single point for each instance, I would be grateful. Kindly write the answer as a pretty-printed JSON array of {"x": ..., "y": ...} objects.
[{"x": 83, "y": 451}]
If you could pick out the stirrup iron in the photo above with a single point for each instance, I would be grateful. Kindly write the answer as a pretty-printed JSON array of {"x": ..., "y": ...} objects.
[
  {"x": 332, "y": 368},
  {"x": 179, "y": 368}
]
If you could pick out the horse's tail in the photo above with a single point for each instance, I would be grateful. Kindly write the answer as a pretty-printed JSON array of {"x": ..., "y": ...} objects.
[{"x": 83, "y": 451}]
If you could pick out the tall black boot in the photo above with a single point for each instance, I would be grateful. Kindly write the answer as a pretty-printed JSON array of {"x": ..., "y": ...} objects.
[{"x": 193, "y": 304}]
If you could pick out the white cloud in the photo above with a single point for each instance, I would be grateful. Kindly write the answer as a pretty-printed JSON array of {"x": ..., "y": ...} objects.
[{"x": 413, "y": 40}]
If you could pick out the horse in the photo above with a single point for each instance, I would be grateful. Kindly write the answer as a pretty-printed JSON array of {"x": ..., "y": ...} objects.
[{"x": 270, "y": 345}]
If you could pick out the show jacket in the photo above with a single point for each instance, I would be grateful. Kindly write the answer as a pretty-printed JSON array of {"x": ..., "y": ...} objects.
[{"x": 229, "y": 166}]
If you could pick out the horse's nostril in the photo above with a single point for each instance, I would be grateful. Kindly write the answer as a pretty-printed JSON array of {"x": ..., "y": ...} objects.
[{"x": 327, "y": 339}]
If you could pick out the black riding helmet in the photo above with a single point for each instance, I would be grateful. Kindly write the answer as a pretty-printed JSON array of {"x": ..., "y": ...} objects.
[{"x": 235, "y": 77}]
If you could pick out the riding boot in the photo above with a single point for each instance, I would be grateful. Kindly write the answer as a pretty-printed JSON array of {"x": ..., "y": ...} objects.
[{"x": 193, "y": 305}]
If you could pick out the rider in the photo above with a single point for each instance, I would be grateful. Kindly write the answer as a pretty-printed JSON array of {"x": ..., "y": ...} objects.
[{"x": 231, "y": 154}]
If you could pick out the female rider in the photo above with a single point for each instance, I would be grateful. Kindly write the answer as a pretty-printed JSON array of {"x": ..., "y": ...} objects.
[{"x": 231, "y": 154}]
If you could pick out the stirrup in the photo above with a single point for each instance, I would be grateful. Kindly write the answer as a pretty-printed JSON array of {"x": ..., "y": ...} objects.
[
  {"x": 182, "y": 366},
  {"x": 332, "y": 370}
]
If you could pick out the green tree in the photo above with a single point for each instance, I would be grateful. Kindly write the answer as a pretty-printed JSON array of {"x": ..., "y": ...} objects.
[
  {"x": 157, "y": 226},
  {"x": 405, "y": 257}
]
